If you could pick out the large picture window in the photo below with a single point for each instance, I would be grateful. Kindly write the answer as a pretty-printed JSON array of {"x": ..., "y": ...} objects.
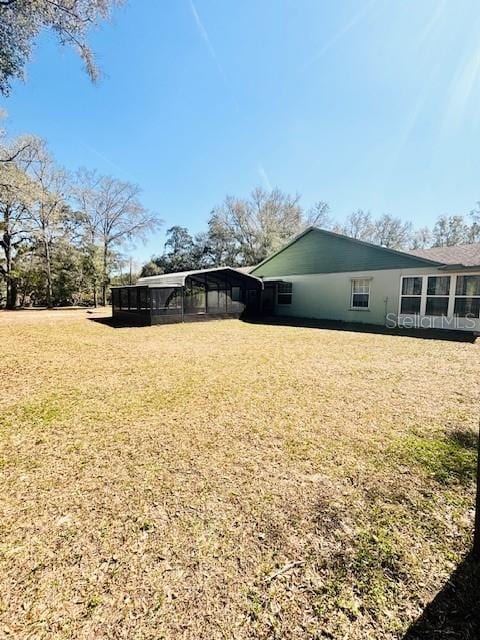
[
  {"x": 467, "y": 297},
  {"x": 441, "y": 297},
  {"x": 411, "y": 295},
  {"x": 360, "y": 293}
]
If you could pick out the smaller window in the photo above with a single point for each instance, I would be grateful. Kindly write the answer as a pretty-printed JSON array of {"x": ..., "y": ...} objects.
[
  {"x": 412, "y": 286},
  {"x": 284, "y": 293},
  {"x": 436, "y": 306},
  {"x": 360, "y": 293},
  {"x": 438, "y": 286},
  {"x": 410, "y": 305},
  {"x": 467, "y": 307},
  {"x": 468, "y": 286}
]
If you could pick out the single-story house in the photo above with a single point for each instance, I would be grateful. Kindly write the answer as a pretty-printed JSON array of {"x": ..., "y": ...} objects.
[
  {"x": 322, "y": 275},
  {"x": 326, "y": 275}
]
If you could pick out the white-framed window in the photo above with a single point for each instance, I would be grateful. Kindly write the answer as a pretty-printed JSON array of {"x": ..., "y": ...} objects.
[
  {"x": 284, "y": 293},
  {"x": 441, "y": 296},
  {"x": 360, "y": 298},
  {"x": 467, "y": 296},
  {"x": 438, "y": 295},
  {"x": 411, "y": 295}
]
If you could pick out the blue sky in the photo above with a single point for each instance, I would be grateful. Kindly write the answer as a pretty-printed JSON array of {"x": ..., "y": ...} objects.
[{"x": 371, "y": 105}]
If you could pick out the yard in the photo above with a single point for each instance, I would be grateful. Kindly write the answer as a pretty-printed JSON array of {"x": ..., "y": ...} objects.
[{"x": 229, "y": 480}]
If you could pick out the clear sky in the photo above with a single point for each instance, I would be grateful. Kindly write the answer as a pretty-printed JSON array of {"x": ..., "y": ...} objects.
[{"x": 372, "y": 105}]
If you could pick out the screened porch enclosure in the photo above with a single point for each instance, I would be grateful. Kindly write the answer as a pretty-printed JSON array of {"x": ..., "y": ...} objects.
[{"x": 212, "y": 293}]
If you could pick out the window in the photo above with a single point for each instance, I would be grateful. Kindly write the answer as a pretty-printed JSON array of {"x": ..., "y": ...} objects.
[
  {"x": 467, "y": 297},
  {"x": 411, "y": 295},
  {"x": 284, "y": 293},
  {"x": 468, "y": 286},
  {"x": 438, "y": 291},
  {"x": 360, "y": 293},
  {"x": 436, "y": 307},
  {"x": 412, "y": 286},
  {"x": 438, "y": 286}
]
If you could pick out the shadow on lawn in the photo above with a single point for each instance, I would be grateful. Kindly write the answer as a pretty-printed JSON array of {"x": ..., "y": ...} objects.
[
  {"x": 454, "y": 613},
  {"x": 335, "y": 325},
  {"x": 115, "y": 323}
]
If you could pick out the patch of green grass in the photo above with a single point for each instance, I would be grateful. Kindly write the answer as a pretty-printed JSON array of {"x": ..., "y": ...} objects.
[
  {"x": 447, "y": 459},
  {"x": 45, "y": 411},
  {"x": 94, "y": 602}
]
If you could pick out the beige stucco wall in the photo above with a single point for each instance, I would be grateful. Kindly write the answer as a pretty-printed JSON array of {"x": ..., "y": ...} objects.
[{"x": 328, "y": 296}]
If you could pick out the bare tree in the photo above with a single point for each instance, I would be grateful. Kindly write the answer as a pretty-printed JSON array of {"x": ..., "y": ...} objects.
[
  {"x": 359, "y": 224},
  {"x": 113, "y": 215},
  {"x": 256, "y": 226},
  {"x": 17, "y": 194},
  {"x": 49, "y": 211},
  {"x": 474, "y": 231},
  {"x": 22, "y": 20},
  {"x": 449, "y": 231},
  {"x": 421, "y": 238},
  {"x": 319, "y": 215},
  {"x": 391, "y": 232}
]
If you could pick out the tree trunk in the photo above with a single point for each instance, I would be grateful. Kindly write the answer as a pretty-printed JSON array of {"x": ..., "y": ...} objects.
[
  {"x": 7, "y": 248},
  {"x": 11, "y": 293},
  {"x": 48, "y": 271},
  {"x": 104, "y": 274}
]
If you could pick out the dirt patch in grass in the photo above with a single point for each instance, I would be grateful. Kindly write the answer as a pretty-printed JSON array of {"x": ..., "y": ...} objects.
[{"x": 228, "y": 480}]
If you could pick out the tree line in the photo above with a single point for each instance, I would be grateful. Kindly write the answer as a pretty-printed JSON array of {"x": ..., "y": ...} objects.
[
  {"x": 61, "y": 233},
  {"x": 244, "y": 231}
]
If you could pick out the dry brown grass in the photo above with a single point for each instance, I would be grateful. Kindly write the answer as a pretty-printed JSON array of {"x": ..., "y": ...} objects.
[{"x": 227, "y": 480}]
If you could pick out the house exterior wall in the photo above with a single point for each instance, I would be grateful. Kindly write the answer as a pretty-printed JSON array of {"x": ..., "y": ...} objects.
[{"x": 327, "y": 296}]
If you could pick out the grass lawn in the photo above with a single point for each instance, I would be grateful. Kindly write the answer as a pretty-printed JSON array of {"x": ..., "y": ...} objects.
[{"x": 228, "y": 480}]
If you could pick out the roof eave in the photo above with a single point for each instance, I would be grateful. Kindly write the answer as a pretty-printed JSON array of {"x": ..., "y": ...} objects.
[{"x": 460, "y": 267}]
